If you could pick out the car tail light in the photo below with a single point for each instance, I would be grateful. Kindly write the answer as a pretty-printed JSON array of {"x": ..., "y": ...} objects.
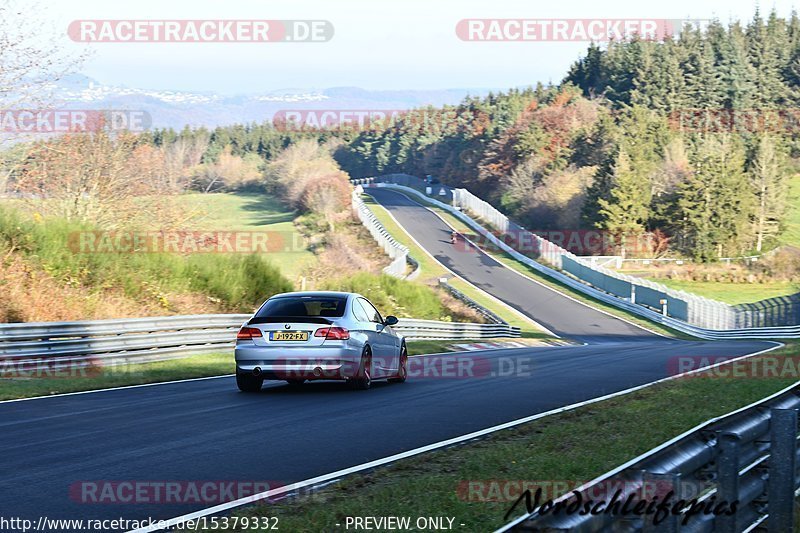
[
  {"x": 248, "y": 333},
  {"x": 333, "y": 334}
]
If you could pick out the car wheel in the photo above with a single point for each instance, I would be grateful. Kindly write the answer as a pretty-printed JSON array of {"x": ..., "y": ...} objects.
[
  {"x": 402, "y": 372},
  {"x": 363, "y": 378},
  {"x": 247, "y": 382},
  {"x": 295, "y": 382}
]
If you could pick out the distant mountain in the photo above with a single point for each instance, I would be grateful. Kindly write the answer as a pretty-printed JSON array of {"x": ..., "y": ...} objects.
[{"x": 177, "y": 109}]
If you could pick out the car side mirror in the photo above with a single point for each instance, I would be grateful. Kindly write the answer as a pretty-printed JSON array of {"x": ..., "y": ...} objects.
[{"x": 390, "y": 320}]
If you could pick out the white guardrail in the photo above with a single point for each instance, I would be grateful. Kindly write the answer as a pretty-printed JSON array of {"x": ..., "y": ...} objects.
[
  {"x": 627, "y": 305},
  {"x": 396, "y": 251},
  {"x": 401, "y": 256},
  {"x": 121, "y": 341}
]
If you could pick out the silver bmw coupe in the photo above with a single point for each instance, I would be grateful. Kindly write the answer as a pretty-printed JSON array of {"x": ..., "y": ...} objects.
[{"x": 299, "y": 336}]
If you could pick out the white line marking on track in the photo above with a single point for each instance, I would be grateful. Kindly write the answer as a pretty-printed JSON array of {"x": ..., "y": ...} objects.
[{"x": 325, "y": 478}]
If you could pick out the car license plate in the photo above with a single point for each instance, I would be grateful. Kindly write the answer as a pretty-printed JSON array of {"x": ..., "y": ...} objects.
[{"x": 288, "y": 336}]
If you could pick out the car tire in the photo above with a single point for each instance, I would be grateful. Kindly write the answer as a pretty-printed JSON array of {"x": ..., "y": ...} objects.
[
  {"x": 247, "y": 382},
  {"x": 402, "y": 372},
  {"x": 295, "y": 382},
  {"x": 363, "y": 378}
]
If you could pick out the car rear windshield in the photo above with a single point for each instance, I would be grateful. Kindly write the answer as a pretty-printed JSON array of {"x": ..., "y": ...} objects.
[{"x": 303, "y": 306}]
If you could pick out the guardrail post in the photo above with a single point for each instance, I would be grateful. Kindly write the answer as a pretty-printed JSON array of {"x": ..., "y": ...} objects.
[
  {"x": 670, "y": 482},
  {"x": 782, "y": 464},
  {"x": 633, "y": 293},
  {"x": 727, "y": 480}
]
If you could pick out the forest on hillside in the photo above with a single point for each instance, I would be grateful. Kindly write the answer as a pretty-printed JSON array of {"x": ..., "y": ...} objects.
[{"x": 690, "y": 141}]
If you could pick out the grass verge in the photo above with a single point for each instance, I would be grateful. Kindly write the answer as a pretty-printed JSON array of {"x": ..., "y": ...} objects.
[
  {"x": 75, "y": 255},
  {"x": 571, "y": 446},
  {"x": 196, "y": 366},
  {"x": 251, "y": 211},
  {"x": 731, "y": 293}
]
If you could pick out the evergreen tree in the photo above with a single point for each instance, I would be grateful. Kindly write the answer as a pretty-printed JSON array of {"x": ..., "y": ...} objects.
[
  {"x": 626, "y": 212},
  {"x": 715, "y": 204},
  {"x": 766, "y": 174}
]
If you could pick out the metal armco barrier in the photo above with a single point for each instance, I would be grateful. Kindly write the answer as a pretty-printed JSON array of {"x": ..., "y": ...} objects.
[
  {"x": 718, "y": 316},
  {"x": 400, "y": 255},
  {"x": 396, "y": 251},
  {"x": 749, "y": 456},
  {"x": 121, "y": 341},
  {"x": 489, "y": 315},
  {"x": 432, "y": 329}
]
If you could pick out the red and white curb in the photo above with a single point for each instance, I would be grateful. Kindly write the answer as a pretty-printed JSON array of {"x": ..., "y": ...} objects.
[{"x": 500, "y": 345}]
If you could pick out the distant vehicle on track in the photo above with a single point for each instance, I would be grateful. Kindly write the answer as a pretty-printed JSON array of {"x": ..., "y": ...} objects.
[{"x": 301, "y": 336}]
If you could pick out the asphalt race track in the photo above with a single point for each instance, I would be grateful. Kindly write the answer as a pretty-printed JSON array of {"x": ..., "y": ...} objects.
[
  {"x": 205, "y": 430},
  {"x": 559, "y": 314}
]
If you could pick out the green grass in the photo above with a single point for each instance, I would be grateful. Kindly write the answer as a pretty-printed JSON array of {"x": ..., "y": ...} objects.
[
  {"x": 791, "y": 234},
  {"x": 571, "y": 446},
  {"x": 247, "y": 211},
  {"x": 429, "y": 346},
  {"x": 431, "y": 269},
  {"x": 732, "y": 293},
  {"x": 238, "y": 281},
  {"x": 195, "y": 366},
  {"x": 393, "y": 296}
]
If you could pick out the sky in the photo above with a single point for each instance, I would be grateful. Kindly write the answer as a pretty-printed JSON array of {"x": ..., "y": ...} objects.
[{"x": 378, "y": 44}]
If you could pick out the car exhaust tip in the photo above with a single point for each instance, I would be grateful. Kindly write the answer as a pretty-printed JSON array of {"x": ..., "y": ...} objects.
[
  {"x": 317, "y": 372},
  {"x": 257, "y": 371}
]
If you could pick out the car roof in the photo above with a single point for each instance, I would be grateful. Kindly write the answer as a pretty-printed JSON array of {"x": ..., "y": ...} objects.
[{"x": 312, "y": 294}]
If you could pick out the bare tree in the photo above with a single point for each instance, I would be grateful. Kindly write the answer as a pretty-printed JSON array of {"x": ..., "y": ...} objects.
[{"x": 32, "y": 60}]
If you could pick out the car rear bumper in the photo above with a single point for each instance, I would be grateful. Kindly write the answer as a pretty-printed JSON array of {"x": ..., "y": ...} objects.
[{"x": 288, "y": 363}]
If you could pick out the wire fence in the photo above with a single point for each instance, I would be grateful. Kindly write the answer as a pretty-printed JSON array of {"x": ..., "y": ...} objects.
[{"x": 690, "y": 308}]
